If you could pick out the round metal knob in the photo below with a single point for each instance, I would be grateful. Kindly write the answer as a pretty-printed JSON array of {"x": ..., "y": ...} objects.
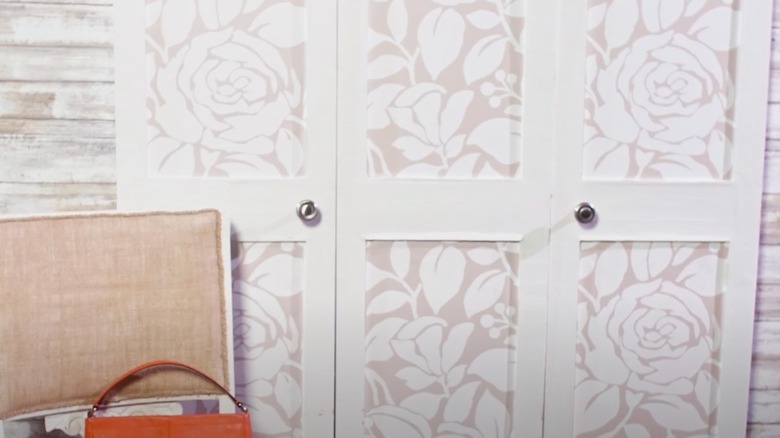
[
  {"x": 307, "y": 210},
  {"x": 585, "y": 213}
]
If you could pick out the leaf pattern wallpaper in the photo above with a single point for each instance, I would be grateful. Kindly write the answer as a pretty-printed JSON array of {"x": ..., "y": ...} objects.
[
  {"x": 441, "y": 336},
  {"x": 225, "y": 88},
  {"x": 268, "y": 328},
  {"x": 445, "y": 88},
  {"x": 660, "y": 89},
  {"x": 648, "y": 347}
]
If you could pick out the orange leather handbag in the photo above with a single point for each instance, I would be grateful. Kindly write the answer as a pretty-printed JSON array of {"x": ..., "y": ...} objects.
[{"x": 166, "y": 426}]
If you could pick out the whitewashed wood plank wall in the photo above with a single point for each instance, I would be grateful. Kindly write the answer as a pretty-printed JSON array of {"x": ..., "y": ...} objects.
[{"x": 57, "y": 147}]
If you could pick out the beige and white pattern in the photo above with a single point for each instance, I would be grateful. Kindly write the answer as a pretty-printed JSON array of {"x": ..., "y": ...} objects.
[
  {"x": 445, "y": 88},
  {"x": 441, "y": 327},
  {"x": 225, "y": 87},
  {"x": 660, "y": 89},
  {"x": 648, "y": 347},
  {"x": 268, "y": 326}
]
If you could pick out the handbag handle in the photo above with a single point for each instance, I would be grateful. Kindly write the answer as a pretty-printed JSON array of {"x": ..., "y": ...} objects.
[{"x": 99, "y": 401}]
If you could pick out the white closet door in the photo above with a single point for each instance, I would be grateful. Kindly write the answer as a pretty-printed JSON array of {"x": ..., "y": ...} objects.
[
  {"x": 444, "y": 178},
  {"x": 231, "y": 104},
  {"x": 652, "y": 303}
]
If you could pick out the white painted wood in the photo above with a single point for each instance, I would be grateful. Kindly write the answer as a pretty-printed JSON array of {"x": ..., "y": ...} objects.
[
  {"x": 33, "y": 197},
  {"x": 727, "y": 211},
  {"x": 52, "y": 24},
  {"x": 48, "y": 20},
  {"x": 52, "y": 100},
  {"x": 68, "y": 128},
  {"x": 459, "y": 210},
  {"x": 764, "y": 407},
  {"x": 56, "y": 64},
  {"x": 51, "y": 159},
  {"x": 261, "y": 210}
]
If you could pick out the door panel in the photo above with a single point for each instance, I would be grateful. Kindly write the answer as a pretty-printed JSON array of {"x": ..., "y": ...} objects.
[
  {"x": 660, "y": 90},
  {"x": 442, "y": 154},
  {"x": 268, "y": 334},
  {"x": 441, "y": 337},
  {"x": 215, "y": 105},
  {"x": 649, "y": 336},
  {"x": 445, "y": 89},
  {"x": 652, "y": 303},
  {"x": 225, "y": 88}
]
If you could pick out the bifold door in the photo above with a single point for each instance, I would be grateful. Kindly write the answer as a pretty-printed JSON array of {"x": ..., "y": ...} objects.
[
  {"x": 232, "y": 104},
  {"x": 440, "y": 283}
]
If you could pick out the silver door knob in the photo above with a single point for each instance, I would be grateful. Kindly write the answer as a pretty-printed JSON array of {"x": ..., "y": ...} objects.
[
  {"x": 307, "y": 210},
  {"x": 585, "y": 213}
]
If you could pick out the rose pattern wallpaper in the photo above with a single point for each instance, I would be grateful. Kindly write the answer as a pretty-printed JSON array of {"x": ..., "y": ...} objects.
[
  {"x": 226, "y": 88},
  {"x": 445, "y": 80},
  {"x": 660, "y": 89},
  {"x": 441, "y": 336},
  {"x": 648, "y": 349},
  {"x": 268, "y": 328}
]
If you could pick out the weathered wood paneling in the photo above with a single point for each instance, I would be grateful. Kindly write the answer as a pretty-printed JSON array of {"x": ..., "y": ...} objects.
[
  {"x": 63, "y": 128},
  {"x": 59, "y": 64},
  {"x": 57, "y": 159},
  {"x": 57, "y": 100},
  {"x": 55, "y": 25},
  {"x": 56, "y": 106},
  {"x": 35, "y": 197}
]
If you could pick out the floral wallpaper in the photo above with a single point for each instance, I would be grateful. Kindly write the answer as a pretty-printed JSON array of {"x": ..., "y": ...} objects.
[
  {"x": 441, "y": 329},
  {"x": 660, "y": 89},
  {"x": 648, "y": 349},
  {"x": 225, "y": 87},
  {"x": 268, "y": 326},
  {"x": 445, "y": 88}
]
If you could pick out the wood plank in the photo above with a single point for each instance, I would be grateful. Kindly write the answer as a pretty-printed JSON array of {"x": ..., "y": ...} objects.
[
  {"x": 773, "y": 121},
  {"x": 755, "y": 430},
  {"x": 47, "y": 24},
  {"x": 770, "y": 219},
  {"x": 772, "y": 171},
  {"x": 766, "y": 341},
  {"x": 765, "y": 375},
  {"x": 56, "y": 64},
  {"x": 62, "y": 2},
  {"x": 763, "y": 407},
  {"x": 768, "y": 302},
  {"x": 16, "y": 198},
  {"x": 66, "y": 128},
  {"x": 769, "y": 264},
  {"x": 57, "y": 100},
  {"x": 51, "y": 159}
]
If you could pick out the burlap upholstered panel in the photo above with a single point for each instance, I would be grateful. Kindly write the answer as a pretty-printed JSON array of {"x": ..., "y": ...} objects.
[{"x": 84, "y": 298}]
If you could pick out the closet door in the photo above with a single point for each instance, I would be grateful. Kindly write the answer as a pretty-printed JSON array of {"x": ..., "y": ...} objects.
[
  {"x": 652, "y": 301},
  {"x": 445, "y": 141},
  {"x": 231, "y": 104}
]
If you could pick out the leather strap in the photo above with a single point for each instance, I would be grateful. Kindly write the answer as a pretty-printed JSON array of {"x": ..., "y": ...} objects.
[{"x": 153, "y": 364}]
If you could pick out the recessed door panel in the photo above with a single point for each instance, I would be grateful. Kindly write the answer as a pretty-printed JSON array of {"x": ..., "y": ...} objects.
[
  {"x": 660, "y": 90},
  {"x": 445, "y": 89},
  {"x": 441, "y": 338},
  {"x": 649, "y": 337},
  {"x": 225, "y": 88}
]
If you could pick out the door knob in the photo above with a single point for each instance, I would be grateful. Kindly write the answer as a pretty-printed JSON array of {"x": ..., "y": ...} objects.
[
  {"x": 585, "y": 213},
  {"x": 307, "y": 210}
]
